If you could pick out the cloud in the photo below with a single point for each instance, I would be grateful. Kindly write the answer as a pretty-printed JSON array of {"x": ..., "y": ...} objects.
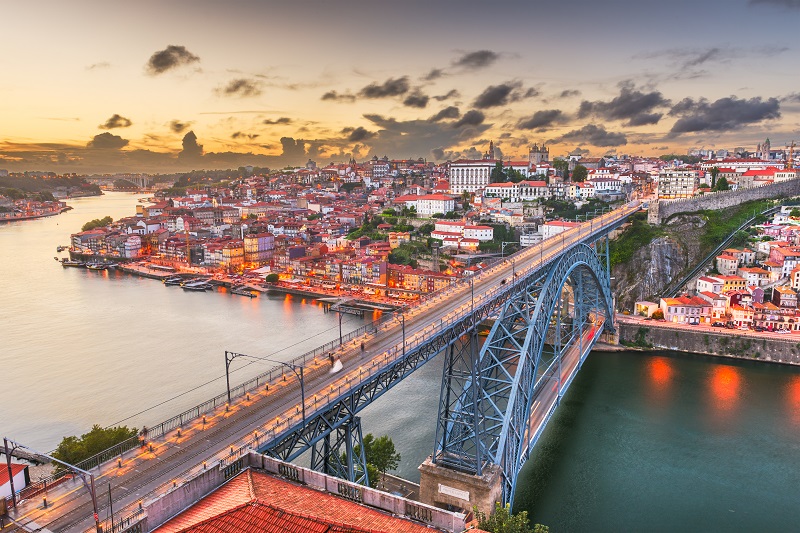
[
  {"x": 333, "y": 95},
  {"x": 447, "y": 112},
  {"x": 416, "y": 99},
  {"x": 780, "y": 3},
  {"x": 106, "y": 141},
  {"x": 389, "y": 88},
  {"x": 241, "y": 87},
  {"x": 452, "y": 93},
  {"x": 569, "y": 93},
  {"x": 594, "y": 135},
  {"x": 724, "y": 114},
  {"x": 277, "y": 121},
  {"x": 476, "y": 60},
  {"x": 472, "y": 117},
  {"x": 116, "y": 121},
  {"x": 438, "y": 153},
  {"x": 434, "y": 74},
  {"x": 99, "y": 66},
  {"x": 191, "y": 148},
  {"x": 293, "y": 149},
  {"x": 632, "y": 105},
  {"x": 169, "y": 58},
  {"x": 178, "y": 127},
  {"x": 357, "y": 134},
  {"x": 505, "y": 93},
  {"x": 541, "y": 119},
  {"x": 792, "y": 97},
  {"x": 241, "y": 135}
]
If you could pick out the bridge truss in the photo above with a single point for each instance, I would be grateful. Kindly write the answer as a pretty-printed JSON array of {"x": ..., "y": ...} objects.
[{"x": 487, "y": 392}]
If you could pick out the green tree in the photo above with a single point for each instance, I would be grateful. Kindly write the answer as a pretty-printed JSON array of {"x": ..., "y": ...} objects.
[
  {"x": 722, "y": 185},
  {"x": 97, "y": 223},
  {"x": 794, "y": 213},
  {"x": 502, "y": 521},
  {"x": 562, "y": 166},
  {"x": 498, "y": 174},
  {"x": 580, "y": 173},
  {"x": 381, "y": 453},
  {"x": 714, "y": 173},
  {"x": 272, "y": 278},
  {"x": 73, "y": 450}
]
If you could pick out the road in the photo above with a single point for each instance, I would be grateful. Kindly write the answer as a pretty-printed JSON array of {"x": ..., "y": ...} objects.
[{"x": 162, "y": 465}]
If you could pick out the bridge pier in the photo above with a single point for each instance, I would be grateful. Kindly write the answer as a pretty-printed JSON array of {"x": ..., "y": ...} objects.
[
  {"x": 451, "y": 489},
  {"x": 341, "y": 453}
]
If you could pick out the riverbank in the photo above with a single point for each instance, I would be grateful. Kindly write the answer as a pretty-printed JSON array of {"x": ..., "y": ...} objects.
[
  {"x": 33, "y": 217},
  {"x": 750, "y": 345}
]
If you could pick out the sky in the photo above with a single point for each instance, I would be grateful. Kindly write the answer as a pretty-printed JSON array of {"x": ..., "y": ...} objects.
[{"x": 164, "y": 86}]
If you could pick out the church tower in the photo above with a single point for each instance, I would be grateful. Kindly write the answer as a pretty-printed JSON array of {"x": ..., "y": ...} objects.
[
  {"x": 538, "y": 155},
  {"x": 490, "y": 154}
]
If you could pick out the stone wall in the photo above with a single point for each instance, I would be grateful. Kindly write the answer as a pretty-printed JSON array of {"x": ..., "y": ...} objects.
[
  {"x": 662, "y": 210},
  {"x": 725, "y": 342}
]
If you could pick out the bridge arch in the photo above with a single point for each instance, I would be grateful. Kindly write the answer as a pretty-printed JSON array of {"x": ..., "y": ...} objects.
[{"x": 489, "y": 424}]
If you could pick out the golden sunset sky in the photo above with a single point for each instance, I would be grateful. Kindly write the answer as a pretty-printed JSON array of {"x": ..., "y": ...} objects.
[{"x": 99, "y": 86}]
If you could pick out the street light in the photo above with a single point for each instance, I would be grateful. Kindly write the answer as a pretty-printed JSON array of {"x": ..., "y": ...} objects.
[
  {"x": 297, "y": 369},
  {"x": 503, "y": 247}
]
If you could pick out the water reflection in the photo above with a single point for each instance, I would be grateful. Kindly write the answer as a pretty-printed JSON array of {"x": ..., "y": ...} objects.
[
  {"x": 725, "y": 388},
  {"x": 660, "y": 372},
  {"x": 792, "y": 395}
]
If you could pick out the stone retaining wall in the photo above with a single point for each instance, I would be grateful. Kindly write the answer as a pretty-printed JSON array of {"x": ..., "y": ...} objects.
[
  {"x": 662, "y": 210},
  {"x": 728, "y": 343}
]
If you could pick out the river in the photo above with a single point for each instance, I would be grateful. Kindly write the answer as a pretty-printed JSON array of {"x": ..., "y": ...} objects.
[{"x": 640, "y": 442}]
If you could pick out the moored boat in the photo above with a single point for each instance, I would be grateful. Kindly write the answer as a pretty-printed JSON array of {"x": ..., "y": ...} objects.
[
  {"x": 72, "y": 263},
  {"x": 96, "y": 266},
  {"x": 177, "y": 280}
]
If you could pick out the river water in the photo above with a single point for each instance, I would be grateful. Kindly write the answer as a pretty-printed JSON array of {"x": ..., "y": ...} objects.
[{"x": 640, "y": 443}]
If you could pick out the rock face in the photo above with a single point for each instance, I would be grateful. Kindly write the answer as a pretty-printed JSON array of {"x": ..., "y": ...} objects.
[{"x": 655, "y": 266}]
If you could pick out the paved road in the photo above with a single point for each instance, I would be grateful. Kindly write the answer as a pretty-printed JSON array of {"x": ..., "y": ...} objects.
[{"x": 150, "y": 471}]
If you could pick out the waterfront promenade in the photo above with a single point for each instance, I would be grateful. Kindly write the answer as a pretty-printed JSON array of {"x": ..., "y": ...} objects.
[{"x": 268, "y": 412}]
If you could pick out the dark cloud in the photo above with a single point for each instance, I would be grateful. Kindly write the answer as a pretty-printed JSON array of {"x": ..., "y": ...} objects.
[
  {"x": 277, "y": 121},
  {"x": 594, "y": 135},
  {"x": 725, "y": 114},
  {"x": 106, "y": 141},
  {"x": 541, "y": 119},
  {"x": 116, "y": 121},
  {"x": 569, "y": 93},
  {"x": 416, "y": 99},
  {"x": 472, "y": 117},
  {"x": 179, "y": 127},
  {"x": 293, "y": 149},
  {"x": 333, "y": 95},
  {"x": 434, "y": 74},
  {"x": 452, "y": 93},
  {"x": 389, "y": 88},
  {"x": 505, "y": 93},
  {"x": 191, "y": 148},
  {"x": 357, "y": 134},
  {"x": 632, "y": 105},
  {"x": 242, "y": 135},
  {"x": 98, "y": 66},
  {"x": 792, "y": 97},
  {"x": 447, "y": 112},
  {"x": 171, "y": 57},
  {"x": 476, "y": 60},
  {"x": 531, "y": 93},
  {"x": 437, "y": 153},
  {"x": 781, "y": 3},
  {"x": 241, "y": 87}
]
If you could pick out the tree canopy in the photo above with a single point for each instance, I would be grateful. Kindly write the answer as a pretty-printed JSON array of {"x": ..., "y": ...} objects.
[
  {"x": 502, "y": 521},
  {"x": 73, "y": 450},
  {"x": 580, "y": 173},
  {"x": 97, "y": 223},
  {"x": 722, "y": 185}
]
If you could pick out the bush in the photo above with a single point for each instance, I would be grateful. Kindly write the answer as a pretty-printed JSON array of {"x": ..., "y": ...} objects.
[{"x": 271, "y": 278}]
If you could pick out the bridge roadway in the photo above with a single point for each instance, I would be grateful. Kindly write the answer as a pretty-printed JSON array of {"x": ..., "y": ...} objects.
[{"x": 267, "y": 413}]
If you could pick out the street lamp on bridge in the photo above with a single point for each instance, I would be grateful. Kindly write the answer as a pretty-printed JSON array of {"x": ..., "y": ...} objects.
[{"x": 297, "y": 369}]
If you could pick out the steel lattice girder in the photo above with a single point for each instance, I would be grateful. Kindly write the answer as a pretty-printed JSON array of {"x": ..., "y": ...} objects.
[
  {"x": 345, "y": 456},
  {"x": 510, "y": 365}
]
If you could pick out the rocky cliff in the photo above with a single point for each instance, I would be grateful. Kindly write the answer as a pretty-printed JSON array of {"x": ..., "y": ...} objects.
[{"x": 661, "y": 262}]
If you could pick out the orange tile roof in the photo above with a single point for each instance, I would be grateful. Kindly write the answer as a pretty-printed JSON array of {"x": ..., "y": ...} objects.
[{"x": 254, "y": 501}]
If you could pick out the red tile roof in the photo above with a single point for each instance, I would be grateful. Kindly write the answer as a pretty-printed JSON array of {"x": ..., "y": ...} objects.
[
  {"x": 16, "y": 468},
  {"x": 254, "y": 501}
]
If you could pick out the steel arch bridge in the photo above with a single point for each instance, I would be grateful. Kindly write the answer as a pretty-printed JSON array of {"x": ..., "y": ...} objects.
[{"x": 487, "y": 394}]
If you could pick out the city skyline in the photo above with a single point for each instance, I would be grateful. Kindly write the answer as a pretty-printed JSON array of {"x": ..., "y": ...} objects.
[{"x": 93, "y": 87}]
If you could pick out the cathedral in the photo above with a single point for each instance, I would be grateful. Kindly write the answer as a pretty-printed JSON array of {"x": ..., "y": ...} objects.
[
  {"x": 539, "y": 155},
  {"x": 762, "y": 151}
]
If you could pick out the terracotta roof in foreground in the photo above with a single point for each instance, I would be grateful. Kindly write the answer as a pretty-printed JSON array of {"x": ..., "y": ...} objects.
[{"x": 255, "y": 501}]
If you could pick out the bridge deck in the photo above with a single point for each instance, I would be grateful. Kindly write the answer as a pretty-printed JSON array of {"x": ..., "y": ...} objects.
[{"x": 269, "y": 414}]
